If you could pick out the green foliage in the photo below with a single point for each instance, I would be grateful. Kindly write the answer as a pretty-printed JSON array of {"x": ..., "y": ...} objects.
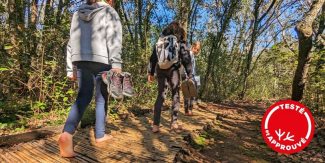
[
  {"x": 113, "y": 116},
  {"x": 274, "y": 74}
]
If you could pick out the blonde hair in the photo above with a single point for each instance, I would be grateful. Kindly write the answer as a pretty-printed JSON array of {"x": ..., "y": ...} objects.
[
  {"x": 110, "y": 2},
  {"x": 197, "y": 45}
]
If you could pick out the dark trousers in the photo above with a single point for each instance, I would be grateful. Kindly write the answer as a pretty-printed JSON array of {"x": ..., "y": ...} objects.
[
  {"x": 89, "y": 73},
  {"x": 172, "y": 77}
]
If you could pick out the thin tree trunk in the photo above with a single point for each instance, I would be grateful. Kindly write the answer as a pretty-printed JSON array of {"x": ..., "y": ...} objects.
[
  {"x": 136, "y": 27},
  {"x": 58, "y": 14},
  {"x": 142, "y": 39},
  {"x": 32, "y": 26},
  {"x": 183, "y": 10},
  {"x": 305, "y": 32},
  {"x": 128, "y": 23},
  {"x": 147, "y": 25}
]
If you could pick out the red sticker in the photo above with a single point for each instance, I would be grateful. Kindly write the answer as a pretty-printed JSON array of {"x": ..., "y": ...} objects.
[{"x": 288, "y": 126}]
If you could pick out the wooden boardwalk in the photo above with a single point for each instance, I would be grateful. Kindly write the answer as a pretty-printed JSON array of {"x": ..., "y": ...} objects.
[{"x": 133, "y": 142}]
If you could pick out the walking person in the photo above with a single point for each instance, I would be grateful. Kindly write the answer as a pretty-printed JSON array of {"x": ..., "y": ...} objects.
[
  {"x": 94, "y": 47},
  {"x": 169, "y": 53},
  {"x": 195, "y": 49}
]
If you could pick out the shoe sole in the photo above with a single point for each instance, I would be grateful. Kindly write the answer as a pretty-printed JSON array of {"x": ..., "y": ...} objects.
[
  {"x": 193, "y": 91},
  {"x": 128, "y": 95},
  {"x": 185, "y": 90},
  {"x": 116, "y": 97}
]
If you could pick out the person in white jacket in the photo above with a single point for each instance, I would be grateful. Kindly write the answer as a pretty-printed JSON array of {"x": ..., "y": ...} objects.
[{"x": 94, "y": 47}]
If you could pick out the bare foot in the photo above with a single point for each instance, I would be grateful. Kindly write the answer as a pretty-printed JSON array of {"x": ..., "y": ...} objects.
[
  {"x": 176, "y": 127},
  {"x": 155, "y": 129},
  {"x": 66, "y": 145},
  {"x": 106, "y": 137},
  {"x": 189, "y": 113}
]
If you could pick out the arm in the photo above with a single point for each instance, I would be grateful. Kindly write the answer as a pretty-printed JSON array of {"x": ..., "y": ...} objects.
[
  {"x": 70, "y": 67},
  {"x": 186, "y": 58},
  {"x": 153, "y": 62},
  {"x": 114, "y": 38},
  {"x": 193, "y": 64}
]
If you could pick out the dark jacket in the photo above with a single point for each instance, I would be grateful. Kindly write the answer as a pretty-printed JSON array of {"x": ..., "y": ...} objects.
[{"x": 184, "y": 56}]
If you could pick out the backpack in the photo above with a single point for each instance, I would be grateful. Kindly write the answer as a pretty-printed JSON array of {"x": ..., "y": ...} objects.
[{"x": 167, "y": 49}]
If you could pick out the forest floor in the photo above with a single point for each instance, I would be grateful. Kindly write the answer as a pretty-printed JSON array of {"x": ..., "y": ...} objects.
[
  {"x": 235, "y": 136},
  {"x": 227, "y": 132}
]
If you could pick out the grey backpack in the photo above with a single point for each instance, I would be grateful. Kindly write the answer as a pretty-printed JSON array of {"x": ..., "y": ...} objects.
[{"x": 167, "y": 49}]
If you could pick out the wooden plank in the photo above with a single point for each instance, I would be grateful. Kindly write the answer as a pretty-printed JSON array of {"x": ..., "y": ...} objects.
[
  {"x": 16, "y": 156},
  {"x": 27, "y": 154},
  {"x": 157, "y": 139},
  {"x": 37, "y": 155},
  {"x": 54, "y": 153},
  {"x": 48, "y": 151},
  {"x": 2, "y": 159},
  {"x": 137, "y": 149},
  {"x": 111, "y": 156},
  {"x": 51, "y": 142},
  {"x": 24, "y": 156},
  {"x": 5, "y": 158},
  {"x": 110, "y": 152},
  {"x": 54, "y": 147},
  {"x": 9, "y": 158}
]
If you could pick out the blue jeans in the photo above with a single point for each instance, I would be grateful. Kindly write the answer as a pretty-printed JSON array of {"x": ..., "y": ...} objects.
[{"x": 89, "y": 73}]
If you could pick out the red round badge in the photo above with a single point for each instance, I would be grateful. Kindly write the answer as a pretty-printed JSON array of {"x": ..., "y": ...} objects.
[{"x": 288, "y": 126}]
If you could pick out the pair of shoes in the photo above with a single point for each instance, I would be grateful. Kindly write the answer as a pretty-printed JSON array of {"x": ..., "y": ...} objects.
[
  {"x": 118, "y": 84},
  {"x": 188, "y": 88}
]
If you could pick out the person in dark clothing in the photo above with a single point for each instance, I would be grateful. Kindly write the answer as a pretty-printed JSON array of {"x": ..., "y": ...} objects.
[{"x": 171, "y": 75}]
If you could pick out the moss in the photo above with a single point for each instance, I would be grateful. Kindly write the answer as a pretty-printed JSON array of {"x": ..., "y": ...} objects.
[{"x": 199, "y": 142}]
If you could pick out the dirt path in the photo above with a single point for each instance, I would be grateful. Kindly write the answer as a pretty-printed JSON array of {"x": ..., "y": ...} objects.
[{"x": 235, "y": 137}]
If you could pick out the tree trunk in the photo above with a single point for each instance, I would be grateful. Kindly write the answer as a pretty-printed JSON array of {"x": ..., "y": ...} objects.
[
  {"x": 58, "y": 14},
  {"x": 11, "y": 21},
  {"x": 305, "y": 32},
  {"x": 142, "y": 39},
  {"x": 183, "y": 10},
  {"x": 147, "y": 25},
  {"x": 136, "y": 27},
  {"x": 192, "y": 19},
  {"x": 127, "y": 23},
  {"x": 319, "y": 65},
  {"x": 32, "y": 26}
]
